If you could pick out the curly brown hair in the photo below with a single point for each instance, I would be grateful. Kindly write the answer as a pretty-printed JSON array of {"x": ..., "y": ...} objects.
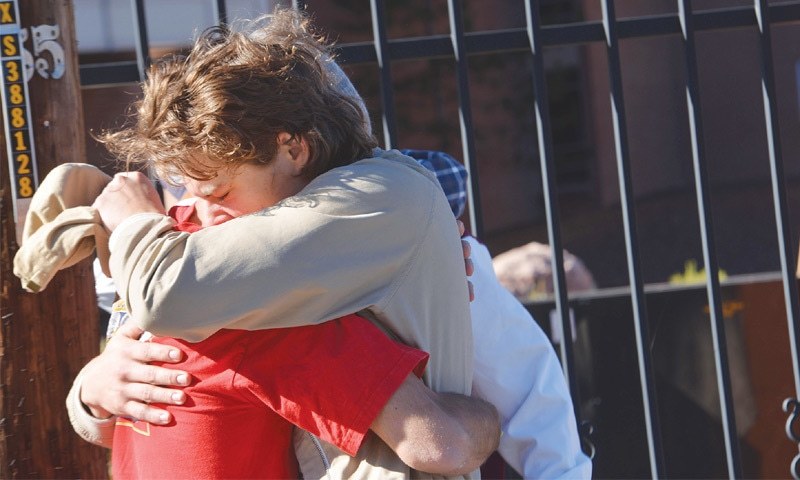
[{"x": 231, "y": 96}]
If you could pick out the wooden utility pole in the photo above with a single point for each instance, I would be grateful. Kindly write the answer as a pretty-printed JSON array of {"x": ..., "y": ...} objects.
[{"x": 45, "y": 338}]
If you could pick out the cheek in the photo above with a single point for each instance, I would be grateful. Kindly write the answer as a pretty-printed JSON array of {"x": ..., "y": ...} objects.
[
  {"x": 255, "y": 200},
  {"x": 255, "y": 203}
]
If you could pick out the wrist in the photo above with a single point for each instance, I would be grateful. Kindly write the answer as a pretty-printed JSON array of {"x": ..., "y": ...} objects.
[
  {"x": 90, "y": 407},
  {"x": 96, "y": 412}
]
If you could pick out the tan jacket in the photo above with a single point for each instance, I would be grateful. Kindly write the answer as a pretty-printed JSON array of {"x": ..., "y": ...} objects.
[{"x": 61, "y": 228}]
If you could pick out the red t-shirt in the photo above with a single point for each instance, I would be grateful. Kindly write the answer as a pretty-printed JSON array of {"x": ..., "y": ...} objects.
[{"x": 250, "y": 387}]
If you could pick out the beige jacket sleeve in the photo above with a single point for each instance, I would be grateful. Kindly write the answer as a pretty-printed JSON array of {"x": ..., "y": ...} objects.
[
  {"x": 61, "y": 228},
  {"x": 339, "y": 246}
]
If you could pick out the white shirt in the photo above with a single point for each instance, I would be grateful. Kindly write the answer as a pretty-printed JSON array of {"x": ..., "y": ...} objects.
[{"x": 517, "y": 370}]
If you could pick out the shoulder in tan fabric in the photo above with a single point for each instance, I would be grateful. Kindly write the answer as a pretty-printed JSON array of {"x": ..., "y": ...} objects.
[{"x": 61, "y": 227}]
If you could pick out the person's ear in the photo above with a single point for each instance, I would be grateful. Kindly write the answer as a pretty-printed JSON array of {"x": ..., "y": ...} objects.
[{"x": 295, "y": 150}]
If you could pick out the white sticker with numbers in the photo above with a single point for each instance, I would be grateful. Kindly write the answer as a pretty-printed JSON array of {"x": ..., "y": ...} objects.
[{"x": 16, "y": 112}]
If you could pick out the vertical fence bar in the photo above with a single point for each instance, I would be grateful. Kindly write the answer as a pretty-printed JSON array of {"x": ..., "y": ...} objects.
[
  {"x": 646, "y": 375},
  {"x": 707, "y": 237},
  {"x": 220, "y": 12},
  {"x": 142, "y": 43},
  {"x": 299, "y": 4},
  {"x": 787, "y": 257},
  {"x": 465, "y": 115},
  {"x": 384, "y": 66},
  {"x": 547, "y": 163}
]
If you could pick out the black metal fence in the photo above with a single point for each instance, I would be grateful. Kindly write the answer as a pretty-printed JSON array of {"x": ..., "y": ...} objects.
[{"x": 638, "y": 301}]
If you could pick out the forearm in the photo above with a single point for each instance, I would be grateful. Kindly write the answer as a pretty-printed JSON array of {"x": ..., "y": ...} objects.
[
  {"x": 446, "y": 434},
  {"x": 172, "y": 281},
  {"x": 481, "y": 424}
]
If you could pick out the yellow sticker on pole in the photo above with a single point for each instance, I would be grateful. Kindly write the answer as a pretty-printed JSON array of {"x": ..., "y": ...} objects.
[{"x": 16, "y": 112}]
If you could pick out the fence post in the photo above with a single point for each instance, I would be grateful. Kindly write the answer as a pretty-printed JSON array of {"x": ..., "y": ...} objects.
[{"x": 44, "y": 338}]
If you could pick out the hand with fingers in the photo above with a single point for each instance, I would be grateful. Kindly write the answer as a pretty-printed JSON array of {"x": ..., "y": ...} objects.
[
  {"x": 121, "y": 381},
  {"x": 127, "y": 194},
  {"x": 468, "y": 265}
]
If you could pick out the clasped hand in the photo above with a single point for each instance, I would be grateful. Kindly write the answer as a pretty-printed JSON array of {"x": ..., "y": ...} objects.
[
  {"x": 127, "y": 194},
  {"x": 121, "y": 382}
]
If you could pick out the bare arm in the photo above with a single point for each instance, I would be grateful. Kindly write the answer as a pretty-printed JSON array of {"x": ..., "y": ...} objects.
[
  {"x": 446, "y": 434},
  {"x": 441, "y": 433}
]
